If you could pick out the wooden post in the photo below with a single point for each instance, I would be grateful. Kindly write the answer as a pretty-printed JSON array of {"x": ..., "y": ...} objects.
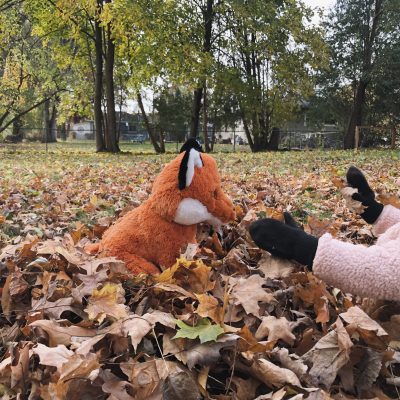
[{"x": 356, "y": 137}]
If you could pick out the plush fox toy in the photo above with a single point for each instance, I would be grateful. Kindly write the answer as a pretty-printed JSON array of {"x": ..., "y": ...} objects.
[{"x": 187, "y": 192}]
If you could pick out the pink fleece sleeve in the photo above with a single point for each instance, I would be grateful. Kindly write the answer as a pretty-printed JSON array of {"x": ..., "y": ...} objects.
[
  {"x": 389, "y": 216},
  {"x": 365, "y": 271}
]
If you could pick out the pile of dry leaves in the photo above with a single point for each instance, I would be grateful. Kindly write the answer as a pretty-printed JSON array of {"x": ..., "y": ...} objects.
[{"x": 227, "y": 321}]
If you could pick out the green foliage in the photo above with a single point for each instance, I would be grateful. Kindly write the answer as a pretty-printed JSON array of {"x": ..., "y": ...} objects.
[
  {"x": 272, "y": 57},
  {"x": 348, "y": 28},
  {"x": 173, "y": 111},
  {"x": 204, "y": 330}
]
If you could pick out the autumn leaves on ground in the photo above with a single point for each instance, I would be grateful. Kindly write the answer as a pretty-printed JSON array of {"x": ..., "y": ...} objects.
[{"x": 233, "y": 323}]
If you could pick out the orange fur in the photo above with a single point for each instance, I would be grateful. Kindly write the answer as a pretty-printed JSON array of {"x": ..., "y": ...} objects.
[{"x": 147, "y": 237}]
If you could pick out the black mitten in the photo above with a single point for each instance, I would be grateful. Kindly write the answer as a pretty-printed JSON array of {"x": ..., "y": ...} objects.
[
  {"x": 356, "y": 179},
  {"x": 284, "y": 240}
]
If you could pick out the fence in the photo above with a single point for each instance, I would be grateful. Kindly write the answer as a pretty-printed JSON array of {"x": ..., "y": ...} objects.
[{"x": 290, "y": 139}]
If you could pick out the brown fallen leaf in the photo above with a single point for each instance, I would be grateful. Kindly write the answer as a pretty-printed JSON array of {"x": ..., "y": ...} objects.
[
  {"x": 180, "y": 385},
  {"x": 248, "y": 342},
  {"x": 290, "y": 361},
  {"x": 267, "y": 372},
  {"x": 275, "y": 329},
  {"x": 191, "y": 353},
  {"x": 89, "y": 283},
  {"x": 93, "y": 265},
  {"x": 245, "y": 389},
  {"x": 316, "y": 293},
  {"x": 248, "y": 292},
  {"x": 20, "y": 355},
  {"x": 108, "y": 302},
  {"x": 137, "y": 326},
  {"x": 53, "y": 356},
  {"x": 54, "y": 309},
  {"x": 274, "y": 267},
  {"x": 354, "y": 205},
  {"x": 209, "y": 307},
  {"x": 117, "y": 388},
  {"x": 63, "y": 334},
  {"x": 146, "y": 376},
  {"x": 77, "y": 367},
  {"x": 369, "y": 330},
  {"x": 326, "y": 358}
]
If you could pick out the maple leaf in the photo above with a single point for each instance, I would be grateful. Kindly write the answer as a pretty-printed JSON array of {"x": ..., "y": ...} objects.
[
  {"x": 209, "y": 307},
  {"x": 316, "y": 293},
  {"x": 248, "y": 292},
  {"x": 204, "y": 330},
  {"x": 106, "y": 302},
  {"x": 275, "y": 328},
  {"x": 354, "y": 205},
  {"x": 274, "y": 267},
  {"x": 139, "y": 326}
]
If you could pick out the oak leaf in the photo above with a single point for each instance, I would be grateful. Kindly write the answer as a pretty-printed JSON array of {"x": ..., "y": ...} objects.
[
  {"x": 53, "y": 356},
  {"x": 248, "y": 292},
  {"x": 63, "y": 334}
]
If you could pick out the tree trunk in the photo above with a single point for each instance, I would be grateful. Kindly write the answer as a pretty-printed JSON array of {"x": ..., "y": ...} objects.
[
  {"x": 369, "y": 38},
  {"x": 273, "y": 143},
  {"x": 356, "y": 116},
  {"x": 45, "y": 122},
  {"x": 53, "y": 125},
  {"x": 98, "y": 83},
  {"x": 247, "y": 130},
  {"x": 208, "y": 15},
  {"x": 149, "y": 128},
  {"x": 63, "y": 132},
  {"x": 111, "y": 132},
  {"x": 205, "y": 130},
  {"x": 162, "y": 141},
  {"x": 213, "y": 138},
  {"x": 195, "y": 116},
  {"x": 16, "y": 136},
  {"x": 393, "y": 142}
]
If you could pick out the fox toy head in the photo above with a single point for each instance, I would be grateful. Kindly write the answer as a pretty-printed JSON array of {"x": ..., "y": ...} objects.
[{"x": 188, "y": 190}]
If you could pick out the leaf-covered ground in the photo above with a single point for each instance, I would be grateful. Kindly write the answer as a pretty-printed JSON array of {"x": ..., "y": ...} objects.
[{"x": 233, "y": 323}]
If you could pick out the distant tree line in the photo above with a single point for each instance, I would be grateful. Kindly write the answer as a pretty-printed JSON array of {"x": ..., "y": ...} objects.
[{"x": 207, "y": 62}]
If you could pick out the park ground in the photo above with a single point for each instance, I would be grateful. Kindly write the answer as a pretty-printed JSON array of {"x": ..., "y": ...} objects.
[{"x": 54, "y": 200}]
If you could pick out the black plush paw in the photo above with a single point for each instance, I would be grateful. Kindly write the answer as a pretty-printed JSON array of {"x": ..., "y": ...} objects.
[
  {"x": 356, "y": 179},
  {"x": 269, "y": 234},
  {"x": 283, "y": 240}
]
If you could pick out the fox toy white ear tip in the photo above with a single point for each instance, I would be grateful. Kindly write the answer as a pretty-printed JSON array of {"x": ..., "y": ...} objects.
[
  {"x": 194, "y": 161},
  {"x": 190, "y": 160}
]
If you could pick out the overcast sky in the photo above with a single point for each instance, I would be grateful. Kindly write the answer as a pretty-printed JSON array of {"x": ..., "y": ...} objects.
[{"x": 325, "y": 4}]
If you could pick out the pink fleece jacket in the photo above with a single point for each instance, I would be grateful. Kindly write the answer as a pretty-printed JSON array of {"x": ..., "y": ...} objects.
[{"x": 366, "y": 271}]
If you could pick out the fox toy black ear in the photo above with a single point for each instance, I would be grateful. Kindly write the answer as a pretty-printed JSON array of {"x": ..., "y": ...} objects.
[
  {"x": 190, "y": 160},
  {"x": 191, "y": 143}
]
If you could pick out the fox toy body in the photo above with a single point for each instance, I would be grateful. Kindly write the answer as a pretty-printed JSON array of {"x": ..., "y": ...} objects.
[{"x": 186, "y": 192}]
